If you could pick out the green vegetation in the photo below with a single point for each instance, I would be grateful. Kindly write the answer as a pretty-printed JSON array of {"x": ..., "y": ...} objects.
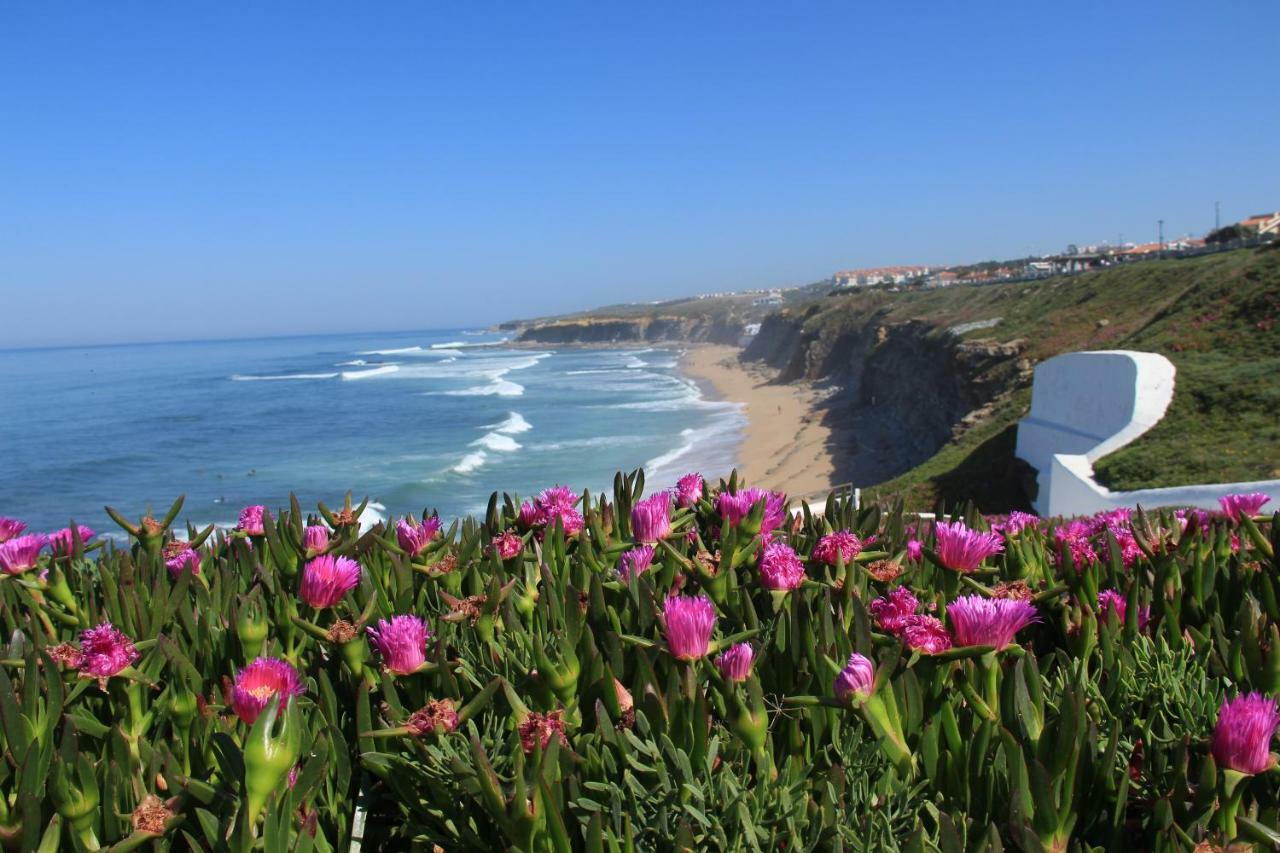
[{"x": 1214, "y": 317}]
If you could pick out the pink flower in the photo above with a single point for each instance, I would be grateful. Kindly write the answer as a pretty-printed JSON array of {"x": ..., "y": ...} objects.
[
  {"x": 839, "y": 545},
  {"x": 570, "y": 519},
  {"x": 402, "y": 643},
  {"x": 1016, "y": 522},
  {"x": 315, "y": 539},
  {"x": 60, "y": 542},
  {"x": 689, "y": 623},
  {"x": 892, "y": 611},
  {"x": 260, "y": 682},
  {"x": 635, "y": 561},
  {"x": 689, "y": 490},
  {"x": 962, "y": 549},
  {"x": 651, "y": 518},
  {"x": 414, "y": 536},
  {"x": 735, "y": 507},
  {"x": 915, "y": 550},
  {"x": 925, "y": 634},
  {"x": 557, "y": 498},
  {"x": 10, "y": 527},
  {"x": 780, "y": 567},
  {"x": 20, "y": 554},
  {"x": 251, "y": 519},
  {"x": 326, "y": 579},
  {"x": 180, "y": 557},
  {"x": 1075, "y": 536},
  {"x": 1110, "y": 599},
  {"x": 1237, "y": 506},
  {"x": 531, "y": 516},
  {"x": 104, "y": 651},
  {"x": 735, "y": 662},
  {"x": 1242, "y": 738},
  {"x": 507, "y": 545},
  {"x": 978, "y": 621},
  {"x": 857, "y": 679}
]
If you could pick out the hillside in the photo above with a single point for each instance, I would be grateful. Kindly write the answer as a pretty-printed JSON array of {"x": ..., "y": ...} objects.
[
  {"x": 706, "y": 319},
  {"x": 928, "y": 386}
]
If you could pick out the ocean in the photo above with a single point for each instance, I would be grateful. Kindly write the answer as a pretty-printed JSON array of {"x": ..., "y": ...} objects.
[{"x": 425, "y": 420}]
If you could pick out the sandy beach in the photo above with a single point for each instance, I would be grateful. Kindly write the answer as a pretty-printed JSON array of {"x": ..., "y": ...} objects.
[{"x": 785, "y": 446}]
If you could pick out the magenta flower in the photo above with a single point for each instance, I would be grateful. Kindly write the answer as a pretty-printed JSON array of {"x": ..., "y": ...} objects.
[
  {"x": 635, "y": 561},
  {"x": 780, "y": 567},
  {"x": 841, "y": 545},
  {"x": 689, "y": 623},
  {"x": 20, "y": 554},
  {"x": 962, "y": 549},
  {"x": 315, "y": 539},
  {"x": 1076, "y": 536},
  {"x": 1237, "y": 506},
  {"x": 1242, "y": 738},
  {"x": 892, "y": 612},
  {"x": 651, "y": 518},
  {"x": 326, "y": 579},
  {"x": 557, "y": 497},
  {"x": 689, "y": 490},
  {"x": 10, "y": 527},
  {"x": 735, "y": 662},
  {"x": 507, "y": 545},
  {"x": 104, "y": 651},
  {"x": 180, "y": 557},
  {"x": 1111, "y": 599},
  {"x": 857, "y": 679},
  {"x": 1016, "y": 522},
  {"x": 531, "y": 516},
  {"x": 402, "y": 643},
  {"x": 60, "y": 541},
  {"x": 915, "y": 550},
  {"x": 735, "y": 507},
  {"x": 260, "y": 682},
  {"x": 570, "y": 519},
  {"x": 925, "y": 634},
  {"x": 978, "y": 621},
  {"x": 251, "y": 520},
  {"x": 415, "y": 536}
]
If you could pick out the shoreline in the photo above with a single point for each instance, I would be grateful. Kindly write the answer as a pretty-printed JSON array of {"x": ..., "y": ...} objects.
[{"x": 784, "y": 444}]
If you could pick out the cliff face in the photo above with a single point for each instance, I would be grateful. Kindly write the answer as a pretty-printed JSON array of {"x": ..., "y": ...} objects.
[
  {"x": 633, "y": 330},
  {"x": 901, "y": 390}
]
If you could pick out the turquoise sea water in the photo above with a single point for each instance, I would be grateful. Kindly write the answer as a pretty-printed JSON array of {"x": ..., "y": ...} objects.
[{"x": 412, "y": 420}]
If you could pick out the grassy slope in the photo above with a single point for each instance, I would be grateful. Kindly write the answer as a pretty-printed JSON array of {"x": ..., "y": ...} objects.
[{"x": 1214, "y": 317}]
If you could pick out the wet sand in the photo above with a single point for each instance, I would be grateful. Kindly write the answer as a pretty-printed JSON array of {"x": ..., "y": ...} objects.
[{"x": 786, "y": 444}]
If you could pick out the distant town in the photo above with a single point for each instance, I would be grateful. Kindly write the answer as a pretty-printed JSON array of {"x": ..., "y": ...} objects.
[{"x": 1255, "y": 229}]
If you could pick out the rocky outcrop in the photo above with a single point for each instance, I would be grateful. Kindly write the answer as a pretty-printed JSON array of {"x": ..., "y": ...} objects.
[
  {"x": 900, "y": 390},
  {"x": 651, "y": 329}
]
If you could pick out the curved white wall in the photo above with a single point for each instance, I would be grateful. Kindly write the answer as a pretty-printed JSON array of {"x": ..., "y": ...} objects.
[{"x": 1085, "y": 405}]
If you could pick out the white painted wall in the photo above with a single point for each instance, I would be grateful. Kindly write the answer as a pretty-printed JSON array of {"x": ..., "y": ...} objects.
[{"x": 1085, "y": 405}]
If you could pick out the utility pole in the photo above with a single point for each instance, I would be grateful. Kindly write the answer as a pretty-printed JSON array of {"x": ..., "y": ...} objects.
[
  {"x": 1217, "y": 219},
  {"x": 1160, "y": 223}
]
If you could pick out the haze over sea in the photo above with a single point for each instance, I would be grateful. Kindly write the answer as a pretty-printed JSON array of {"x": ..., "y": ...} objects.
[{"x": 413, "y": 420}]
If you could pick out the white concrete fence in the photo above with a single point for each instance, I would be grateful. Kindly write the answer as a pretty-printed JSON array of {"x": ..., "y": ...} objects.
[{"x": 1085, "y": 405}]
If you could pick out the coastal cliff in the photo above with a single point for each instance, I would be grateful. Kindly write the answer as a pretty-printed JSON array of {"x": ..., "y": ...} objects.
[
  {"x": 925, "y": 387},
  {"x": 898, "y": 390},
  {"x": 623, "y": 330}
]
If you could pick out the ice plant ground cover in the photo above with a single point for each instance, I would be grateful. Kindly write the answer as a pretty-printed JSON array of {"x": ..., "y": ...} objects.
[{"x": 625, "y": 672}]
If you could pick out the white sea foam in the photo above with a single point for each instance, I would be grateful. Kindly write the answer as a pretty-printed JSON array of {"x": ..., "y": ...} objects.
[
  {"x": 400, "y": 351},
  {"x": 513, "y": 425},
  {"x": 450, "y": 345},
  {"x": 357, "y": 362},
  {"x": 382, "y": 370},
  {"x": 374, "y": 513},
  {"x": 497, "y": 386},
  {"x": 239, "y": 377},
  {"x": 634, "y": 363},
  {"x": 497, "y": 441},
  {"x": 471, "y": 462}
]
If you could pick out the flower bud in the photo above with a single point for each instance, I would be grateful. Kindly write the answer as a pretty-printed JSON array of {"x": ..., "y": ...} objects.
[{"x": 268, "y": 756}]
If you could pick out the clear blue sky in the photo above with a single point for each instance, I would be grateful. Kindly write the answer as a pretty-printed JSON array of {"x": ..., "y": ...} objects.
[{"x": 181, "y": 170}]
